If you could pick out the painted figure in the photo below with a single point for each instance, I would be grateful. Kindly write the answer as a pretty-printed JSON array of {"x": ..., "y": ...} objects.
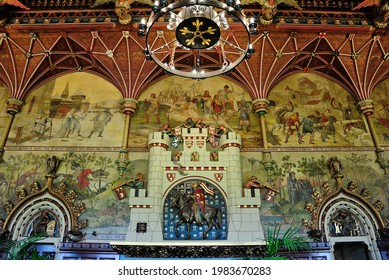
[
  {"x": 100, "y": 121},
  {"x": 214, "y": 156},
  {"x": 330, "y": 129},
  {"x": 40, "y": 127},
  {"x": 217, "y": 105},
  {"x": 293, "y": 188},
  {"x": 226, "y": 99},
  {"x": 199, "y": 189},
  {"x": 293, "y": 124},
  {"x": 253, "y": 184},
  {"x": 308, "y": 124},
  {"x": 152, "y": 107},
  {"x": 244, "y": 115},
  {"x": 206, "y": 103},
  {"x": 138, "y": 182}
]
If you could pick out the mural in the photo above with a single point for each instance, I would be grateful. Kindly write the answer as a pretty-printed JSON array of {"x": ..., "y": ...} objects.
[
  {"x": 214, "y": 101},
  {"x": 89, "y": 175},
  {"x": 380, "y": 98},
  {"x": 4, "y": 95},
  {"x": 81, "y": 110},
  {"x": 297, "y": 177},
  {"x": 78, "y": 109},
  {"x": 309, "y": 110}
]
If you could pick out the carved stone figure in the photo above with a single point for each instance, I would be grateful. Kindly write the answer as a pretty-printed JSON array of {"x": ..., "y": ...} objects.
[
  {"x": 122, "y": 8},
  {"x": 335, "y": 166},
  {"x": 52, "y": 165}
]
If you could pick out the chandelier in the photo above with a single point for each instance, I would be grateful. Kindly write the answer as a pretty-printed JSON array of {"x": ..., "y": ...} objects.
[{"x": 201, "y": 44}]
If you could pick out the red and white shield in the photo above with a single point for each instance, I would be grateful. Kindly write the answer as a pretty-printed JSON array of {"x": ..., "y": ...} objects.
[
  {"x": 189, "y": 144},
  {"x": 170, "y": 176},
  {"x": 200, "y": 144},
  {"x": 120, "y": 192},
  {"x": 218, "y": 176}
]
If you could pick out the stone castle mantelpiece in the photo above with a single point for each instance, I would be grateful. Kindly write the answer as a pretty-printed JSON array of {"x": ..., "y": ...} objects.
[{"x": 195, "y": 163}]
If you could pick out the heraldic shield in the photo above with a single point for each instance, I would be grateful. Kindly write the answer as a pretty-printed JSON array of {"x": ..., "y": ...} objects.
[{"x": 195, "y": 210}]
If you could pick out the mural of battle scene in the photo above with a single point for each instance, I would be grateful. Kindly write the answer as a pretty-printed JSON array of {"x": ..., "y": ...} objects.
[
  {"x": 213, "y": 101},
  {"x": 309, "y": 110},
  {"x": 78, "y": 109},
  {"x": 93, "y": 110},
  {"x": 380, "y": 98}
]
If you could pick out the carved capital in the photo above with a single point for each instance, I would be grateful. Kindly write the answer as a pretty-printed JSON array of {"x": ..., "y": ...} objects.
[
  {"x": 129, "y": 106},
  {"x": 366, "y": 107},
  {"x": 261, "y": 106},
  {"x": 14, "y": 106}
]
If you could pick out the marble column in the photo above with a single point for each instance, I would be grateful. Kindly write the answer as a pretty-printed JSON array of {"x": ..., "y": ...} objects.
[
  {"x": 261, "y": 107},
  {"x": 129, "y": 107}
]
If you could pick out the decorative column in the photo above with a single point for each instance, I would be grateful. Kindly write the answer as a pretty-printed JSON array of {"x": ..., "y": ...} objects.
[
  {"x": 261, "y": 108},
  {"x": 128, "y": 109},
  {"x": 366, "y": 108},
  {"x": 13, "y": 107}
]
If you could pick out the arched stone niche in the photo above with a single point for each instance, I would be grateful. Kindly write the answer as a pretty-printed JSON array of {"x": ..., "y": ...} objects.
[{"x": 171, "y": 217}]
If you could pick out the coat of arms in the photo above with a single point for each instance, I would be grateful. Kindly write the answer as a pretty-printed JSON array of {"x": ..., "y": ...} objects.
[
  {"x": 218, "y": 176},
  {"x": 170, "y": 176}
]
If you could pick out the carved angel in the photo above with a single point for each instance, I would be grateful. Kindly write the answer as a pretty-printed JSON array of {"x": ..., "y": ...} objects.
[
  {"x": 13, "y": 3},
  {"x": 383, "y": 18},
  {"x": 122, "y": 8},
  {"x": 269, "y": 8}
]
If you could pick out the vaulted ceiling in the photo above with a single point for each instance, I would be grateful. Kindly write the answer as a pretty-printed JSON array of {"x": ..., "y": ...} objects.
[{"x": 53, "y": 38}]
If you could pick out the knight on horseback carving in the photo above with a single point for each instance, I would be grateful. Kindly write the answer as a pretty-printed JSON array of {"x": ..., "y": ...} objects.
[{"x": 198, "y": 205}]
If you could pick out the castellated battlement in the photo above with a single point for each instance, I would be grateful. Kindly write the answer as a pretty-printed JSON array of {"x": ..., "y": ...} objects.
[
  {"x": 158, "y": 139},
  {"x": 231, "y": 138}
]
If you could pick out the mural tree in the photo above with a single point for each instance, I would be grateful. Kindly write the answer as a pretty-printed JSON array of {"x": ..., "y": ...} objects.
[
  {"x": 355, "y": 166},
  {"x": 80, "y": 164},
  {"x": 102, "y": 164},
  {"x": 313, "y": 169},
  {"x": 252, "y": 162}
]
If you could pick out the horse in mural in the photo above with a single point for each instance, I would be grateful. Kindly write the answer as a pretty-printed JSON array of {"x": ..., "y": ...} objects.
[{"x": 212, "y": 215}]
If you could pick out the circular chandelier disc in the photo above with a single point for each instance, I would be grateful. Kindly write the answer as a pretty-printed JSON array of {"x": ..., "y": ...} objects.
[{"x": 198, "y": 33}]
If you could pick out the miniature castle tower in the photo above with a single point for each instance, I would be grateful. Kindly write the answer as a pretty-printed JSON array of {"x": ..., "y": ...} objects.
[{"x": 218, "y": 167}]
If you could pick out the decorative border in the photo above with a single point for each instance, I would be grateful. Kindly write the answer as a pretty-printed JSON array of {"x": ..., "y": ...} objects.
[{"x": 189, "y": 251}]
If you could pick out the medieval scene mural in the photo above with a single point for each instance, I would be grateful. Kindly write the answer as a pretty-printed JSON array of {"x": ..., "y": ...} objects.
[
  {"x": 78, "y": 109},
  {"x": 214, "y": 101},
  {"x": 309, "y": 110}
]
